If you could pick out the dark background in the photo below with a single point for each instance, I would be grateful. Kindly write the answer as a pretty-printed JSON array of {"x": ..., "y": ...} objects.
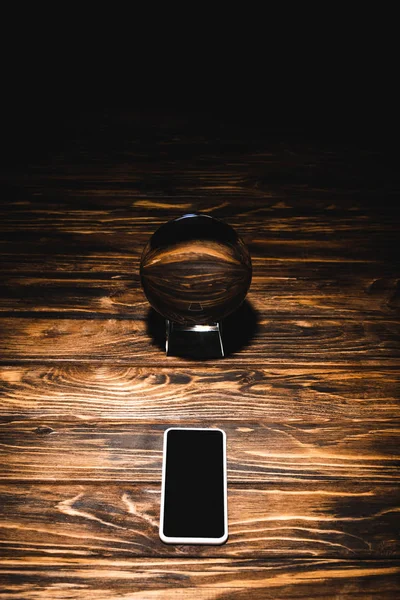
[{"x": 323, "y": 90}]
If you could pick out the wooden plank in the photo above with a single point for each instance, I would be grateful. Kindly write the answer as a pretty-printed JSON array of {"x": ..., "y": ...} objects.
[
  {"x": 80, "y": 253},
  {"x": 317, "y": 238},
  {"x": 257, "y": 451},
  {"x": 37, "y": 198},
  {"x": 90, "y": 294},
  {"x": 205, "y": 579},
  {"x": 113, "y": 265},
  {"x": 340, "y": 519},
  {"x": 43, "y": 236},
  {"x": 247, "y": 341},
  {"x": 30, "y": 210},
  {"x": 274, "y": 228},
  {"x": 85, "y": 393}
]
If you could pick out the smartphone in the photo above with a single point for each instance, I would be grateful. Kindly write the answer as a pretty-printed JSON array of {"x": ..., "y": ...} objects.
[{"x": 194, "y": 507}]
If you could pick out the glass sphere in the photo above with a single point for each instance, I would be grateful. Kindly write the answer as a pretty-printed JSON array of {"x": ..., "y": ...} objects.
[{"x": 195, "y": 270}]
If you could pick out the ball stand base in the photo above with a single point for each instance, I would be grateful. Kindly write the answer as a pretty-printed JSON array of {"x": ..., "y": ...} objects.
[{"x": 194, "y": 341}]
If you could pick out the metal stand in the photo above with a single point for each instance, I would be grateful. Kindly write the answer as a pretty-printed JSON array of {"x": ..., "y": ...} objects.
[{"x": 194, "y": 341}]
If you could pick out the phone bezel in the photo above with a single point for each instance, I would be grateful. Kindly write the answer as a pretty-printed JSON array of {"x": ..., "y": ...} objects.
[{"x": 197, "y": 540}]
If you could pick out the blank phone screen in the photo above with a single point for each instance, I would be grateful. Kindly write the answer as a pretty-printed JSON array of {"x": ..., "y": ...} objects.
[{"x": 194, "y": 484}]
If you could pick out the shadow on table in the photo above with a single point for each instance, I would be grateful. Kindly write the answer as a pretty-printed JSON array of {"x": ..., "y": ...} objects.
[{"x": 238, "y": 330}]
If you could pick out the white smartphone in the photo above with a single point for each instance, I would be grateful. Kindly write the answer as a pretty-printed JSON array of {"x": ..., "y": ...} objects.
[{"x": 194, "y": 507}]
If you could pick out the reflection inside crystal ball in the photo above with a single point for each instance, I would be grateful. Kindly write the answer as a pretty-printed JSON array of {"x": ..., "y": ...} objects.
[{"x": 195, "y": 270}]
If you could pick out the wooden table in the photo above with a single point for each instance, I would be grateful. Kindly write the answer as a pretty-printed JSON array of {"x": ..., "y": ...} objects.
[{"x": 308, "y": 395}]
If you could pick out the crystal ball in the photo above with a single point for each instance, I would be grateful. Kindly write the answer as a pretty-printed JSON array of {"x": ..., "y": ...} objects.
[{"x": 195, "y": 270}]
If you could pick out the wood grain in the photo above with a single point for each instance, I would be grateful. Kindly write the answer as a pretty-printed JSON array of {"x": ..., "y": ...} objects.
[
  {"x": 328, "y": 237},
  {"x": 133, "y": 341},
  {"x": 121, "y": 216},
  {"x": 257, "y": 451},
  {"x": 347, "y": 247},
  {"x": 340, "y": 519},
  {"x": 83, "y": 393},
  {"x": 89, "y": 294},
  {"x": 207, "y": 579}
]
